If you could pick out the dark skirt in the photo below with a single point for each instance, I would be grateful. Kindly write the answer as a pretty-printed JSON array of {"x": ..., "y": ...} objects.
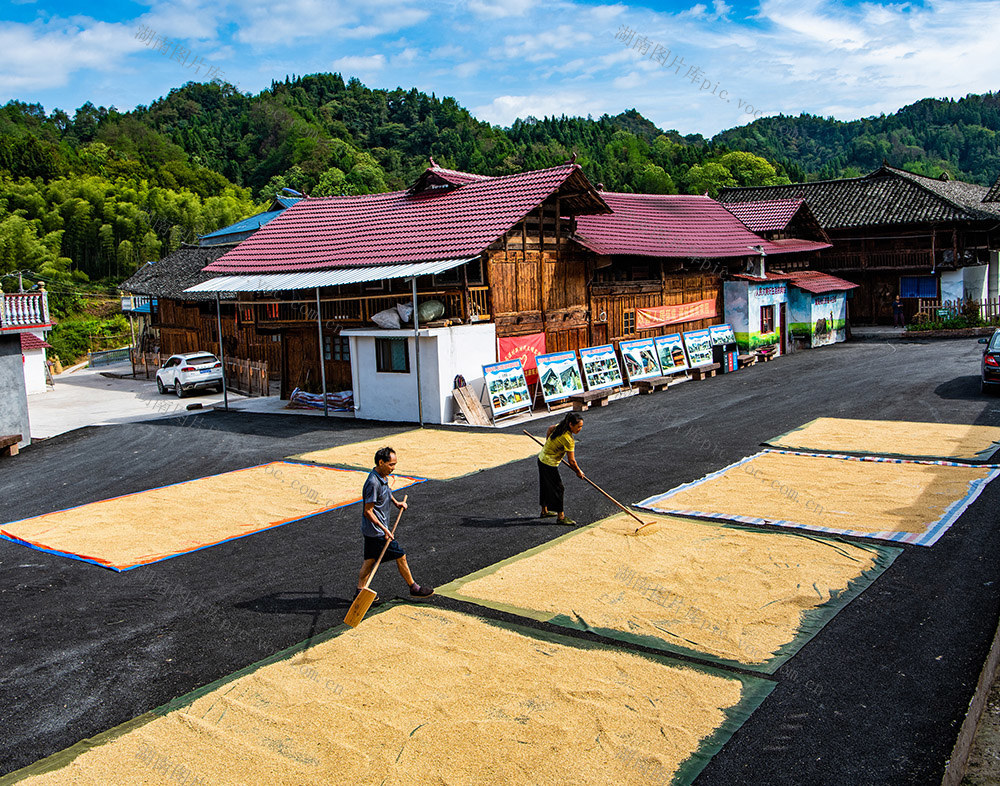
[{"x": 550, "y": 488}]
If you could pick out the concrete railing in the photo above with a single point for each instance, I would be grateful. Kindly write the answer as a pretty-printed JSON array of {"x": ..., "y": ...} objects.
[{"x": 24, "y": 310}]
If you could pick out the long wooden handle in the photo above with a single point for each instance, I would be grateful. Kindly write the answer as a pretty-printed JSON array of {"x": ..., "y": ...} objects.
[
  {"x": 593, "y": 484},
  {"x": 386, "y": 546}
]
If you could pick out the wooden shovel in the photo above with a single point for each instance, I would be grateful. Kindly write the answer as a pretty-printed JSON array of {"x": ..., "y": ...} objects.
[
  {"x": 366, "y": 597},
  {"x": 643, "y": 523}
]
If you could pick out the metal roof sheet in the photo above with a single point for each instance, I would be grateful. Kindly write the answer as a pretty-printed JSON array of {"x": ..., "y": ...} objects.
[{"x": 276, "y": 282}]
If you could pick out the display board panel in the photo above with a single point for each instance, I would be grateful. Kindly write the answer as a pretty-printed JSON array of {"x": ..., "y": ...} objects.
[
  {"x": 600, "y": 367},
  {"x": 698, "y": 344},
  {"x": 670, "y": 351},
  {"x": 506, "y": 386},
  {"x": 559, "y": 374},
  {"x": 722, "y": 334},
  {"x": 640, "y": 359}
]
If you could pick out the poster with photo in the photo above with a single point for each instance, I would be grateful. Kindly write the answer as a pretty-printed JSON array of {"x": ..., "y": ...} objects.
[
  {"x": 722, "y": 334},
  {"x": 670, "y": 351},
  {"x": 559, "y": 375},
  {"x": 600, "y": 367},
  {"x": 640, "y": 359},
  {"x": 506, "y": 387},
  {"x": 698, "y": 344}
]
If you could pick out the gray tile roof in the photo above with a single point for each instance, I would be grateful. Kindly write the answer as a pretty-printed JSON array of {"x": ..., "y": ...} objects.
[
  {"x": 887, "y": 196},
  {"x": 993, "y": 195},
  {"x": 169, "y": 277}
]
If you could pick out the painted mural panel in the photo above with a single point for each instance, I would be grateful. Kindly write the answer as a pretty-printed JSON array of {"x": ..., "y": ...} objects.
[{"x": 829, "y": 319}]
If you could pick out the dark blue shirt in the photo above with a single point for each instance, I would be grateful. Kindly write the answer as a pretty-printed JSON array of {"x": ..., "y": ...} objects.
[{"x": 376, "y": 490}]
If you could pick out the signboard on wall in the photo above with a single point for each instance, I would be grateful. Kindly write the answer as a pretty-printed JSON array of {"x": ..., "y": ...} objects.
[
  {"x": 506, "y": 386},
  {"x": 525, "y": 349},
  {"x": 722, "y": 334},
  {"x": 559, "y": 374},
  {"x": 600, "y": 367},
  {"x": 640, "y": 359},
  {"x": 658, "y": 316},
  {"x": 698, "y": 344},
  {"x": 670, "y": 352}
]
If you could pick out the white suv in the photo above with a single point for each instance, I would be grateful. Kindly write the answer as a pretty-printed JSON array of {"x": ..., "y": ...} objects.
[{"x": 191, "y": 371}]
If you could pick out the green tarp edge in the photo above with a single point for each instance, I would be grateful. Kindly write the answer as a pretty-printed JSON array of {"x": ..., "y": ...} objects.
[
  {"x": 754, "y": 691},
  {"x": 810, "y": 623}
]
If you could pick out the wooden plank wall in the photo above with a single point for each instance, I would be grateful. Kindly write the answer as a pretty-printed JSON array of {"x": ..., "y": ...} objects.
[
  {"x": 538, "y": 280},
  {"x": 617, "y": 300}
]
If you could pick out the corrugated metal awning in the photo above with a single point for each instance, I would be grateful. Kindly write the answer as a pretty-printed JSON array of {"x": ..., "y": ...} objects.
[{"x": 275, "y": 282}]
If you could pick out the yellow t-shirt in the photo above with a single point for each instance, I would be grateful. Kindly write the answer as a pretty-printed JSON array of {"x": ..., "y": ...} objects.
[{"x": 556, "y": 448}]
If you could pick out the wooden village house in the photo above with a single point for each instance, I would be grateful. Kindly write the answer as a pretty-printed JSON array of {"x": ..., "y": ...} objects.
[
  {"x": 664, "y": 261},
  {"x": 929, "y": 240},
  {"x": 540, "y": 252}
]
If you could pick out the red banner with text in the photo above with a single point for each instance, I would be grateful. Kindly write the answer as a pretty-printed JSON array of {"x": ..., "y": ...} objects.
[
  {"x": 525, "y": 348},
  {"x": 658, "y": 316}
]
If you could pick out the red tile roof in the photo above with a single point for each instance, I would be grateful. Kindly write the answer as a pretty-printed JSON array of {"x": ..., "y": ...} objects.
[
  {"x": 812, "y": 281},
  {"x": 765, "y": 216},
  {"x": 404, "y": 226},
  {"x": 816, "y": 282},
  {"x": 674, "y": 226},
  {"x": 31, "y": 341}
]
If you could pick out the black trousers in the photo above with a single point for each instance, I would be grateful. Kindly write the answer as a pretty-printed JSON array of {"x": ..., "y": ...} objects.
[{"x": 550, "y": 488}]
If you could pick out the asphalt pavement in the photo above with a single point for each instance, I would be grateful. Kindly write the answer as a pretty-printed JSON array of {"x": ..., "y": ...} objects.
[{"x": 876, "y": 697}]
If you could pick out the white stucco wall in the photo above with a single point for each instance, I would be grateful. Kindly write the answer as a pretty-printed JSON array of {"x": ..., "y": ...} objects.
[
  {"x": 34, "y": 371},
  {"x": 444, "y": 353},
  {"x": 993, "y": 276}
]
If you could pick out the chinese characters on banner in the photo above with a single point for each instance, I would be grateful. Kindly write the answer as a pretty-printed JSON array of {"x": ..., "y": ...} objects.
[
  {"x": 658, "y": 316},
  {"x": 524, "y": 348}
]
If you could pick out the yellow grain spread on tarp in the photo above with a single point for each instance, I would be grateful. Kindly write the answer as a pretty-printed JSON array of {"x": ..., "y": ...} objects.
[
  {"x": 438, "y": 454},
  {"x": 841, "y": 494},
  {"x": 149, "y": 525},
  {"x": 417, "y": 696},
  {"x": 893, "y": 437},
  {"x": 730, "y": 593}
]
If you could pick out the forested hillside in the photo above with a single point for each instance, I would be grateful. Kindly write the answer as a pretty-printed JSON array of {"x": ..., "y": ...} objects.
[
  {"x": 89, "y": 197},
  {"x": 960, "y": 137}
]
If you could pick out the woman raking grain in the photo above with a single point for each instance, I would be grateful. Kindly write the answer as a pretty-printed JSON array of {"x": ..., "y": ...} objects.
[{"x": 559, "y": 443}]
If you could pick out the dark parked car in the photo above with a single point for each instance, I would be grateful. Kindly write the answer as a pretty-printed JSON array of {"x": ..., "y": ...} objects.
[{"x": 991, "y": 362}]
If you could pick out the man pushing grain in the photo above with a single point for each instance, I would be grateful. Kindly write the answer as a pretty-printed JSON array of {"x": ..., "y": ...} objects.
[{"x": 378, "y": 502}]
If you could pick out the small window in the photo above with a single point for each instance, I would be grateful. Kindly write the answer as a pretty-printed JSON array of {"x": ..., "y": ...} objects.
[
  {"x": 392, "y": 355},
  {"x": 628, "y": 323},
  {"x": 375, "y": 286},
  {"x": 336, "y": 348},
  {"x": 767, "y": 319},
  {"x": 449, "y": 277},
  {"x": 918, "y": 286},
  {"x": 474, "y": 272}
]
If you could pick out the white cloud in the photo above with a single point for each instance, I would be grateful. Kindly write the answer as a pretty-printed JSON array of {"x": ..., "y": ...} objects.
[
  {"x": 533, "y": 47},
  {"x": 504, "y": 110},
  {"x": 58, "y": 49},
  {"x": 359, "y": 65},
  {"x": 498, "y": 9},
  {"x": 296, "y": 20}
]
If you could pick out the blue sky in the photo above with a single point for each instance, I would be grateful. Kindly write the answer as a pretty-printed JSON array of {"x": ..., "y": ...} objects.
[{"x": 693, "y": 66}]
